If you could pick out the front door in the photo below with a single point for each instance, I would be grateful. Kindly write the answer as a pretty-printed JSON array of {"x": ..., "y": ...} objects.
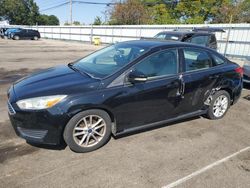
[{"x": 151, "y": 101}]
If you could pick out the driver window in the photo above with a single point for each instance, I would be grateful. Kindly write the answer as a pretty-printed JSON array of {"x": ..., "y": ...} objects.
[
  {"x": 106, "y": 58},
  {"x": 159, "y": 64},
  {"x": 200, "y": 40},
  {"x": 119, "y": 56}
]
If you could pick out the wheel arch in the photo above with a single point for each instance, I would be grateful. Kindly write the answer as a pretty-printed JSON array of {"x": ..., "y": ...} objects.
[
  {"x": 230, "y": 92},
  {"x": 105, "y": 109}
]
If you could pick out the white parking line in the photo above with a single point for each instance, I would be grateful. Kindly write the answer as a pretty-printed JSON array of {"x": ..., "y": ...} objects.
[{"x": 196, "y": 173}]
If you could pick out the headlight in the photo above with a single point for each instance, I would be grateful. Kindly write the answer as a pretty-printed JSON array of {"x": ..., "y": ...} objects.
[{"x": 39, "y": 103}]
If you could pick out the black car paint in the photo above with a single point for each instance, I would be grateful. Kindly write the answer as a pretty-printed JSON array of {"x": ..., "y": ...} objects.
[
  {"x": 130, "y": 106},
  {"x": 186, "y": 36},
  {"x": 25, "y": 34}
]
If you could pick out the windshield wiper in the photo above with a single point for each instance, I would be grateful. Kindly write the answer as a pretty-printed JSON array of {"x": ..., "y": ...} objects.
[{"x": 71, "y": 65}]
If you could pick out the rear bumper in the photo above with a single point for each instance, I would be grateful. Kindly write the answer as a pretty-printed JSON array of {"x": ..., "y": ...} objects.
[
  {"x": 237, "y": 91},
  {"x": 246, "y": 79},
  {"x": 43, "y": 127}
]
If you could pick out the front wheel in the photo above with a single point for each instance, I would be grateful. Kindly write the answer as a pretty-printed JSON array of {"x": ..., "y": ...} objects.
[
  {"x": 219, "y": 105},
  {"x": 16, "y": 37},
  {"x": 35, "y": 38},
  {"x": 88, "y": 131}
]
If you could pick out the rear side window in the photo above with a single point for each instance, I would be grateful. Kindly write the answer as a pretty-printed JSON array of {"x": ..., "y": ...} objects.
[
  {"x": 196, "y": 59},
  {"x": 217, "y": 60},
  {"x": 212, "y": 39},
  {"x": 160, "y": 36},
  {"x": 200, "y": 40},
  {"x": 160, "y": 64}
]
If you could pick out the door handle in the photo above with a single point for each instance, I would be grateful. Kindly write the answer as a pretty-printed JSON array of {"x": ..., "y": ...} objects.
[
  {"x": 181, "y": 90},
  {"x": 213, "y": 76}
]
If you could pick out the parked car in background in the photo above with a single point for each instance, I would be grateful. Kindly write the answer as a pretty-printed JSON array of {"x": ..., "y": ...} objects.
[
  {"x": 200, "y": 36},
  {"x": 2, "y": 31},
  {"x": 13, "y": 31},
  {"x": 25, "y": 34},
  {"x": 123, "y": 88},
  {"x": 8, "y": 31},
  {"x": 246, "y": 77}
]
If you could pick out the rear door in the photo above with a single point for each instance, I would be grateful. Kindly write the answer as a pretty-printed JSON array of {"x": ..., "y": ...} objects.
[
  {"x": 22, "y": 34},
  {"x": 32, "y": 33},
  {"x": 200, "y": 76}
]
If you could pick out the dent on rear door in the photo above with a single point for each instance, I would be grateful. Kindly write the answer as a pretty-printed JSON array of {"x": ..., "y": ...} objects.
[{"x": 198, "y": 87}]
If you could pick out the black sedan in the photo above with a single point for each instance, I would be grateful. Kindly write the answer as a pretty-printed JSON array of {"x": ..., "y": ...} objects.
[
  {"x": 24, "y": 34},
  {"x": 120, "y": 89}
]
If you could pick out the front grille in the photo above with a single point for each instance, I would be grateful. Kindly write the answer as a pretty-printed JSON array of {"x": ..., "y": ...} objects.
[
  {"x": 32, "y": 133},
  {"x": 11, "y": 109}
]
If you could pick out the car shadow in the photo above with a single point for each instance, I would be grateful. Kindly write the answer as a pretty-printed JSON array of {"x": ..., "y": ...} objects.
[
  {"x": 156, "y": 127},
  {"x": 246, "y": 86},
  {"x": 61, "y": 146}
]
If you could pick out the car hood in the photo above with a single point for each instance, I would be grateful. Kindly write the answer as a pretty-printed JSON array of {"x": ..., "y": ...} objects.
[{"x": 54, "y": 81}]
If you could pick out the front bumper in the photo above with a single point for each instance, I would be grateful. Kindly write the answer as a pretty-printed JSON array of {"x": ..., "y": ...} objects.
[{"x": 44, "y": 127}]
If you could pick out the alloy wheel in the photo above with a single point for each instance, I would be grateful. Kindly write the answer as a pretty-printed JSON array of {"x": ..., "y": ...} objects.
[
  {"x": 220, "y": 106},
  {"x": 89, "y": 131}
]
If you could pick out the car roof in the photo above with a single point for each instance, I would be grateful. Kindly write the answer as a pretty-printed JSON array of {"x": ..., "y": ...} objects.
[
  {"x": 161, "y": 43},
  {"x": 181, "y": 33}
]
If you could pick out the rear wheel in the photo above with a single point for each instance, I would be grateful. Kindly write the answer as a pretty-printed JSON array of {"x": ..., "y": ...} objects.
[
  {"x": 219, "y": 105},
  {"x": 88, "y": 131},
  {"x": 35, "y": 38},
  {"x": 16, "y": 37}
]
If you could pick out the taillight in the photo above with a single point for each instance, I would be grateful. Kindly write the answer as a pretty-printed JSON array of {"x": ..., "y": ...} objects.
[{"x": 240, "y": 71}]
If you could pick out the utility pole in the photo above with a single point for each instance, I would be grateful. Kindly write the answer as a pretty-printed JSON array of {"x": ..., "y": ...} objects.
[
  {"x": 70, "y": 3},
  {"x": 228, "y": 35}
]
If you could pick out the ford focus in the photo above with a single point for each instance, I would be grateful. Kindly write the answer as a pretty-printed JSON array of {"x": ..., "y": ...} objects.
[{"x": 123, "y": 88}]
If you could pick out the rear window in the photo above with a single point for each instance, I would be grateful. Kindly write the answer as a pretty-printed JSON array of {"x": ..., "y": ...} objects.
[
  {"x": 200, "y": 40},
  {"x": 217, "y": 60},
  {"x": 168, "y": 36},
  {"x": 196, "y": 59}
]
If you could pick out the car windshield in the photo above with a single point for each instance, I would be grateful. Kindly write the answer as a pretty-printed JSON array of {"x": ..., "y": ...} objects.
[
  {"x": 10, "y": 30},
  {"x": 168, "y": 36},
  {"x": 109, "y": 60}
]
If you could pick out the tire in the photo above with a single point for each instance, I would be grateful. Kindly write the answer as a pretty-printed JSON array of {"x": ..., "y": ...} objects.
[
  {"x": 217, "y": 109},
  {"x": 80, "y": 134},
  {"x": 16, "y": 37},
  {"x": 35, "y": 37}
]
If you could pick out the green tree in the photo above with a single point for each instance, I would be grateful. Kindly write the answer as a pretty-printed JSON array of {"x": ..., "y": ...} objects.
[
  {"x": 130, "y": 12},
  {"x": 160, "y": 14},
  {"x": 19, "y": 12},
  {"x": 48, "y": 20},
  {"x": 198, "y": 11},
  {"x": 24, "y": 12},
  {"x": 76, "y": 23},
  {"x": 66, "y": 23},
  {"x": 239, "y": 11},
  {"x": 179, "y": 11},
  {"x": 97, "y": 21},
  {"x": 244, "y": 8}
]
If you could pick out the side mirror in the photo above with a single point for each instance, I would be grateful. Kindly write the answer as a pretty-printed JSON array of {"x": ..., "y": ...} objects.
[{"x": 136, "y": 77}]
